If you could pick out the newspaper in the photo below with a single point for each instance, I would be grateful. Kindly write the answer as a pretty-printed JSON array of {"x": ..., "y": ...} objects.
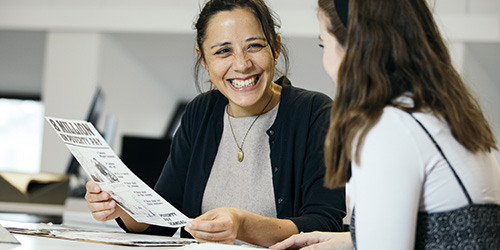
[{"x": 105, "y": 168}]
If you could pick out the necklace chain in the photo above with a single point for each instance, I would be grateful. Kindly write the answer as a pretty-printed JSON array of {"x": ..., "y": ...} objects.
[{"x": 240, "y": 153}]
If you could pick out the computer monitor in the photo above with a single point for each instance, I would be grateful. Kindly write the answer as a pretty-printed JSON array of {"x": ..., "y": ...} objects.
[
  {"x": 146, "y": 156},
  {"x": 175, "y": 120},
  {"x": 93, "y": 116}
]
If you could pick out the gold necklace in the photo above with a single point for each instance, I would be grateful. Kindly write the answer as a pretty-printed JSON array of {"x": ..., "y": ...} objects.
[{"x": 241, "y": 155}]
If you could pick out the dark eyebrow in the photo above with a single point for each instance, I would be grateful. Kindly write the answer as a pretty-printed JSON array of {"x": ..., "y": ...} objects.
[
  {"x": 247, "y": 40},
  {"x": 255, "y": 38},
  {"x": 220, "y": 44}
]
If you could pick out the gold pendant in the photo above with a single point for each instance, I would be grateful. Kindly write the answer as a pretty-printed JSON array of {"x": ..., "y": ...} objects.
[{"x": 240, "y": 156}]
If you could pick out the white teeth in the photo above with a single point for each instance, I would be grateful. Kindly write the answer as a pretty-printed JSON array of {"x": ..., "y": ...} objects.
[{"x": 243, "y": 83}]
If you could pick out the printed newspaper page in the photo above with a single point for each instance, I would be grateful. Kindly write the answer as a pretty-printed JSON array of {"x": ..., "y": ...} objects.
[{"x": 106, "y": 169}]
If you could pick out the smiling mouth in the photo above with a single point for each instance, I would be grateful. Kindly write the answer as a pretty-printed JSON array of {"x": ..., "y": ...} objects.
[{"x": 244, "y": 83}]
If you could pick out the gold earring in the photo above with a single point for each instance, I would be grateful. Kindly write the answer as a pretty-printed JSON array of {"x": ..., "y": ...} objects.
[{"x": 276, "y": 61}]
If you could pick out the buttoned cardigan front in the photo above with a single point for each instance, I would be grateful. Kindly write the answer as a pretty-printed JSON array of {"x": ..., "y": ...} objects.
[{"x": 296, "y": 140}]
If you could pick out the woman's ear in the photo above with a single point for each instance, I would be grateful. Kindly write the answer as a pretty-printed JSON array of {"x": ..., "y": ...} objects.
[
  {"x": 200, "y": 57},
  {"x": 278, "y": 47}
]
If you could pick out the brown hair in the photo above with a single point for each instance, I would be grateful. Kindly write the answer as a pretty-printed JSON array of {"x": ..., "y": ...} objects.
[
  {"x": 335, "y": 26},
  {"x": 268, "y": 20},
  {"x": 393, "y": 47}
]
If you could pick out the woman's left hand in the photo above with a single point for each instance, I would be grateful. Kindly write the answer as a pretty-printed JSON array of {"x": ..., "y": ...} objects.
[
  {"x": 316, "y": 241},
  {"x": 219, "y": 225}
]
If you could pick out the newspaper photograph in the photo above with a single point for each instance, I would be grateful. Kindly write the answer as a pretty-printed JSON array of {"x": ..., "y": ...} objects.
[{"x": 105, "y": 168}]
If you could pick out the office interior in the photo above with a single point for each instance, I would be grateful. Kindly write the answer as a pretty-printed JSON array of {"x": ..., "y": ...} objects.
[{"x": 140, "y": 53}]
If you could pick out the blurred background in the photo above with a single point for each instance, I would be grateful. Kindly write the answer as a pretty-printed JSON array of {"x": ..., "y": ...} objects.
[{"x": 56, "y": 54}]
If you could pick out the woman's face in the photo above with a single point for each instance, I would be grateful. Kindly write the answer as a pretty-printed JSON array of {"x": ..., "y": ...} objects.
[
  {"x": 239, "y": 60},
  {"x": 333, "y": 53}
]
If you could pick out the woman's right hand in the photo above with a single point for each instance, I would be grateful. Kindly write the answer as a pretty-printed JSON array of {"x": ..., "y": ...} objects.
[
  {"x": 316, "y": 241},
  {"x": 104, "y": 208},
  {"x": 101, "y": 205}
]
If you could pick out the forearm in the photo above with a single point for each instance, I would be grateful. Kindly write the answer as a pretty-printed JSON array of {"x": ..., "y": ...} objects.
[
  {"x": 264, "y": 231},
  {"x": 132, "y": 225}
]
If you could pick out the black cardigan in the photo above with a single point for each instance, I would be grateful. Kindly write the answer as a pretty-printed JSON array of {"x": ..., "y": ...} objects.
[{"x": 296, "y": 140}]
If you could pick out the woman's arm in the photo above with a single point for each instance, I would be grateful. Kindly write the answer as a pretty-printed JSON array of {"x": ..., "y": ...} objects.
[
  {"x": 316, "y": 241},
  {"x": 225, "y": 225},
  {"x": 387, "y": 185},
  {"x": 318, "y": 208}
]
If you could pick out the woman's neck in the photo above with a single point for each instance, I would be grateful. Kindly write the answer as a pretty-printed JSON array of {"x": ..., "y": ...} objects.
[{"x": 271, "y": 97}]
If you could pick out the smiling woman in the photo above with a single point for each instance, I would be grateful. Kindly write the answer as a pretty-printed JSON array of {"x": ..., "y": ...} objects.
[
  {"x": 247, "y": 160},
  {"x": 240, "y": 62}
]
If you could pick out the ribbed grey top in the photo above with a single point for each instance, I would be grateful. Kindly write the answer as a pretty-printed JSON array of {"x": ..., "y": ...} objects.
[{"x": 248, "y": 184}]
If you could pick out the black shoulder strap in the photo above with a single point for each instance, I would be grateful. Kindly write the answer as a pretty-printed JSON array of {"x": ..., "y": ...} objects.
[{"x": 446, "y": 159}]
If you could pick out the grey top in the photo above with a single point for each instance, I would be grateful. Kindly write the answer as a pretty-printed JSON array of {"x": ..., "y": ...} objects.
[{"x": 248, "y": 184}]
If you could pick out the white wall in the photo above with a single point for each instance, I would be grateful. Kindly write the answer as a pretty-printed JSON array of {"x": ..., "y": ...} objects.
[
  {"x": 21, "y": 61},
  {"x": 482, "y": 72},
  {"x": 140, "y": 93},
  {"x": 71, "y": 71},
  {"x": 141, "y": 53}
]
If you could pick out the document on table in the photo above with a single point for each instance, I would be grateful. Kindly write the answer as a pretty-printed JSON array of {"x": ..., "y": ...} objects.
[
  {"x": 105, "y": 168},
  {"x": 211, "y": 246},
  {"x": 128, "y": 239},
  {"x": 84, "y": 234}
]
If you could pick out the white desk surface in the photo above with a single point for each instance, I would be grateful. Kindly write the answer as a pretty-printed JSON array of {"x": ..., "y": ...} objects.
[
  {"x": 30, "y": 242},
  {"x": 75, "y": 213}
]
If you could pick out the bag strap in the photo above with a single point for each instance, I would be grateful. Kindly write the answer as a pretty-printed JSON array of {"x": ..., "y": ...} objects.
[{"x": 446, "y": 159}]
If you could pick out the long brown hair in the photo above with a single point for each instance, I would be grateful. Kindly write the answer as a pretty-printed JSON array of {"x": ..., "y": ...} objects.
[{"x": 393, "y": 47}]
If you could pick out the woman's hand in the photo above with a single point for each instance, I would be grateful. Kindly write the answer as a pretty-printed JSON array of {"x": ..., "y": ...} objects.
[
  {"x": 219, "y": 225},
  {"x": 316, "y": 241},
  {"x": 101, "y": 205}
]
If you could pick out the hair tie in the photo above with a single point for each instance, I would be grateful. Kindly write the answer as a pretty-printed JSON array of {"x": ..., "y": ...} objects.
[{"x": 342, "y": 7}]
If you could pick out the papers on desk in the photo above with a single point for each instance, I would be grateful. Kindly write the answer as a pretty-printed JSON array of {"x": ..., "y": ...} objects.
[
  {"x": 105, "y": 168},
  {"x": 6, "y": 237},
  {"x": 128, "y": 239},
  {"x": 82, "y": 234},
  {"x": 216, "y": 246}
]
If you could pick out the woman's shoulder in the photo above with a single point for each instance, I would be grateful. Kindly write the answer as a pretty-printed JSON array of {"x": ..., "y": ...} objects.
[
  {"x": 395, "y": 118},
  {"x": 297, "y": 93},
  {"x": 206, "y": 105},
  {"x": 394, "y": 127},
  {"x": 299, "y": 99},
  {"x": 398, "y": 128},
  {"x": 392, "y": 119},
  {"x": 206, "y": 99}
]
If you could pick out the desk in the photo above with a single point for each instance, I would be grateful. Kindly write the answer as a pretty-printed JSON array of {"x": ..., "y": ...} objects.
[
  {"x": 30, "y": 242},
  {"x": 23, "y": 207},
  {"x": 75, "y": 213},
  {"x": 31, "y": 212}
]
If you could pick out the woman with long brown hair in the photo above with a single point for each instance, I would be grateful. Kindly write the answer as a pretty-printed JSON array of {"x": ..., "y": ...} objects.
[{"x": 406, "y": 134}]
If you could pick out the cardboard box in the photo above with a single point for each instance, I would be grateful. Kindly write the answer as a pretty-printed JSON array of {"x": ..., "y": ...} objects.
[{"x": 33, "y": 188}]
